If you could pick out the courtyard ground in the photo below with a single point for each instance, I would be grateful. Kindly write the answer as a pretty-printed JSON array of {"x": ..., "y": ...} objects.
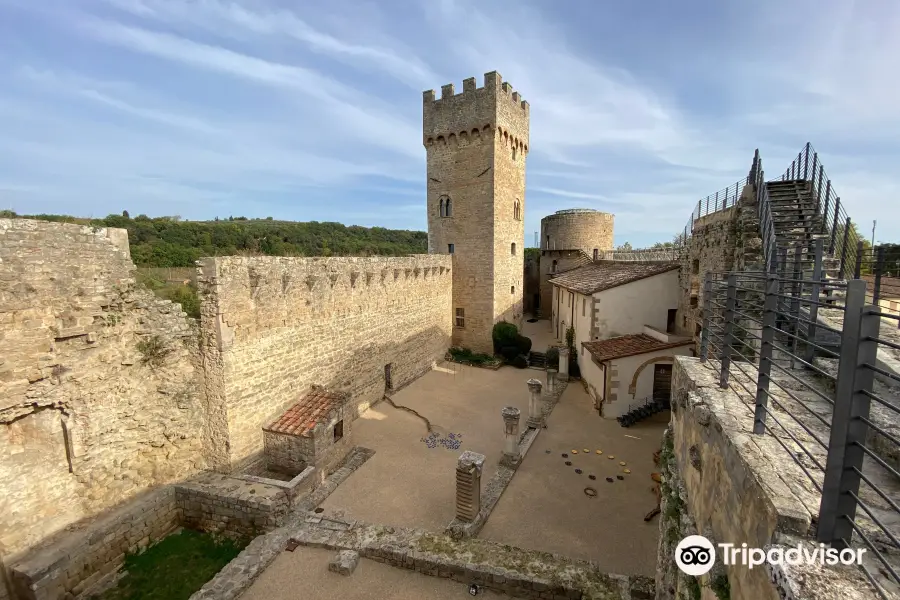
[
  {"x": 545, "y": 507},
  {"x": 304, "y": 573},
  {"x": 541, "y": 334},
  {"x": 410, "y": 484}
]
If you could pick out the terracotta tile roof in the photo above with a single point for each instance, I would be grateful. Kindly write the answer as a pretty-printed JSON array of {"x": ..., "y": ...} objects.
[
  {"x": 629, "y": 345},
  {"x": 302, "y": 417},
  {"x": 597, "y": 277}
]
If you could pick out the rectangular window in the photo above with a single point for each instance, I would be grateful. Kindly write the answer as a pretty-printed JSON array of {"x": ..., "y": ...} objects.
[
  {"x": 512, "y": 248},
  {"x": 460, "y": 317},
  {"x": 339, "y": 430},
  {"x": 583, "y": 306},
  {"x": 450, "y": 248},
  {"x": 512, "y": 289}
]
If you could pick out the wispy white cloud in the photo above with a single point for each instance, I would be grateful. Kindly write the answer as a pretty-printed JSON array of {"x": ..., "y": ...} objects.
[{"x": 312, "y": 110}]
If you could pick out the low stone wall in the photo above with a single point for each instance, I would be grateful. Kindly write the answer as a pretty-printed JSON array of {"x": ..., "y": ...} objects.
[
  {"x": 89, "y": 558},
  {"x": 502, "y": 568},
  {"x": 730, "y": 486},
  {"x": 221, "y": 503}
]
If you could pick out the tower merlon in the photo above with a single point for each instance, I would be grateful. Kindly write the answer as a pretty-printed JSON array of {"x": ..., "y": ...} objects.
[
  {"x": 494, "y": 86},
  {"x": 475, "y": 109}
]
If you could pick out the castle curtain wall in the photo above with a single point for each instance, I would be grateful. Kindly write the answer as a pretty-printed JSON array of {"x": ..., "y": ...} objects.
[{"x": 273, "y": 326}]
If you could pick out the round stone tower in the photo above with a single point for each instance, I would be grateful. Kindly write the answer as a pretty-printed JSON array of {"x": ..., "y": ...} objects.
[{"x": 578, "y": 229}]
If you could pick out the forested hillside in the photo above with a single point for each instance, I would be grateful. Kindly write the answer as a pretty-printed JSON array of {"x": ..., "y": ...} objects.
[{"x": 171, "y": 242}]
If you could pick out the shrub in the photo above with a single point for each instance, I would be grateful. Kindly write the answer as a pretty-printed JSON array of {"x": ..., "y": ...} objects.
[
  {"x": 552, "y": 355},
  {"x": 524, "y": 344},
  {"x": 509, "y": 352},
  {"x": 187, "y": 297},
  {"x": 520, "y": 362},
  {"x": 154, "y": 351},
  {"x": 504, "y": 334}
]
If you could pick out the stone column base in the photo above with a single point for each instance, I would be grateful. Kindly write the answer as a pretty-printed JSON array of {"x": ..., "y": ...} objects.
[
  {"x": 510, "y": 461},
  {"x": 535, "y": 423}
]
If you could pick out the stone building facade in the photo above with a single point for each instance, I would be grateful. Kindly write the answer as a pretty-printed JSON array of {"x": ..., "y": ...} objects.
[{"x": 477, "y": 143}]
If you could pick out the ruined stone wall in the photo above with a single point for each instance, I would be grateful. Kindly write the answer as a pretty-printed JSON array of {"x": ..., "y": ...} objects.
[
  {"x": 90, "y": 558},
  {"x": 218, "y": 503},
  {"x": 273, "y": 326},
  {"x": 99, "y": 395},
  {"x": 727, "y": 240}
]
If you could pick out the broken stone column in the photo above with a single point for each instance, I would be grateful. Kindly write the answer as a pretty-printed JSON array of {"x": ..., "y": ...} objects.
[
  {"x": 511, "y": 455},
  {"x": 468, "y": 485},
  {"x": 563, "y": 364},
  {"x": 551, "y": 380},
  {"x": 535, "y": 405}
]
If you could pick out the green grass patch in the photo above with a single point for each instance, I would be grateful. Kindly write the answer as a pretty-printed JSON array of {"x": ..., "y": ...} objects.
[{"x": 174, "y": 568}]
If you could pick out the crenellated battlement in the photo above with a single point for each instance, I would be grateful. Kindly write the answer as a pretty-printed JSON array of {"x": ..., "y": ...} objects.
[
  {"x": 493, "y": 86},
  {"x": 492, "y": 107}
]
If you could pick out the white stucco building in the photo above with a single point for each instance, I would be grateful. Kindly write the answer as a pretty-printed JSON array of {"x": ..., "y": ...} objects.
[{"x": 623, "y": 315}]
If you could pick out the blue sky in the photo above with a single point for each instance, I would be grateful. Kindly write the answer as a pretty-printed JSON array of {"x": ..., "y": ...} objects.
[{"x": 312, "y": 110}]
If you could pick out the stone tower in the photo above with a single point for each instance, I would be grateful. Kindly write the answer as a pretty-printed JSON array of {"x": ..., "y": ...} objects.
[{"x": 477, "y": 142}]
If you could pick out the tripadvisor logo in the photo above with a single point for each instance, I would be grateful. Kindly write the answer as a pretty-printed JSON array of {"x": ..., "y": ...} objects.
[{"x": 695, "y": 555}]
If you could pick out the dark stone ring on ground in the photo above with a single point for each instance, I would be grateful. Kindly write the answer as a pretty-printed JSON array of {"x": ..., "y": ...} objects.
[{"x": 590, "y": 492}]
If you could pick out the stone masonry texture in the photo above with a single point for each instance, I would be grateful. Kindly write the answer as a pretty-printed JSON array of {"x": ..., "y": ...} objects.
[
  {"x": 91, "y": 556},
  {"x": 578, "y": 229},
  {"x": 477, "y": 143},
  {"x": 86, "y": 420},
  {"x": 721, "y": 481},
  {"x": 273, "y": 326}
]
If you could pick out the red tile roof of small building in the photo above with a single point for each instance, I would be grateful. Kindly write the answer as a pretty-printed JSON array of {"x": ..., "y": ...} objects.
[
  {"x": 629, "y": 345},
  {"x": 600, "y": 276},
  {"x": 301, "y": 418}
]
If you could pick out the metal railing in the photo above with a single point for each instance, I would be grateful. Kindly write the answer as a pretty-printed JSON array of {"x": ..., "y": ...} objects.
[
  {"x": 723, "y": 199},
  {"x": 842, "y": 235},
  {"x": 881, "y": 273},
  {"x": 810, "y": 386}
]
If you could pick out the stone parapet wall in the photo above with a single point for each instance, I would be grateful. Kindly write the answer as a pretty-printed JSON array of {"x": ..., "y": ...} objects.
[
  {"x": 101, "y": 395},
  {"x": 730, "y": 486},
  {"x": 89, "y": 558},
  {"x": 273, "y": 326}
]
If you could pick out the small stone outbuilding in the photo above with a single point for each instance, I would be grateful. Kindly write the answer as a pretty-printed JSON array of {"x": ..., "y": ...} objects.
[{"x": 313, "y": 432}]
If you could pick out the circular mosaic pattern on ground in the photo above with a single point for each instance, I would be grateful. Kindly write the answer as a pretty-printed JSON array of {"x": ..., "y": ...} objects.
[
  {"x": 590, "y": 492},
  {"x": 568, "y": 463}
]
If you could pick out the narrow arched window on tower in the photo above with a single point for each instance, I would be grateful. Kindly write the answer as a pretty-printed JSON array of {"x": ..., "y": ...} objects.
[
  {"x": 448, "y": 208},
  {"x": 517, "y": 210},
  {"x": 442, "y": 207}
]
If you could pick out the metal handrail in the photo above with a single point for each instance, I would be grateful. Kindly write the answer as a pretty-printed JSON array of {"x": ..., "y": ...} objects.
[{"x": 763, "y": 334}]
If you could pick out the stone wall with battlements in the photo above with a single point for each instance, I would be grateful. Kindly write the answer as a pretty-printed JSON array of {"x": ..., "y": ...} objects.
[
  {"x": 100, "y": 394},
  {"x": 273, "y": 326},
  {"x": 477, "y": 143}
]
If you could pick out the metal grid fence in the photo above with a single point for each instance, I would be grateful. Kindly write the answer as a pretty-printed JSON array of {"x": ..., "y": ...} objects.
[{"x": 811, "y": 386}]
